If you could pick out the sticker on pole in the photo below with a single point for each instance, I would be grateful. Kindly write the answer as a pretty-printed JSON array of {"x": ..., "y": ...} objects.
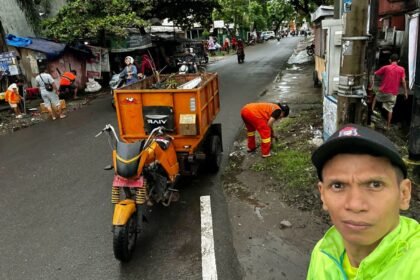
[{"x": 347, "y": 6}]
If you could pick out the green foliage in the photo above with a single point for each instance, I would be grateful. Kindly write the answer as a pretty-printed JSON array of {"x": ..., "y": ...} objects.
[
  {"x": 84, "y": 19},
  {"x": 186, "y": 12},
  {"x": 279, "y": 11},
  {"x": 291, "y": 159}
]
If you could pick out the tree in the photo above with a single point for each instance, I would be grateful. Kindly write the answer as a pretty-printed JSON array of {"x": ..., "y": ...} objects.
[
  {"x": 84, "y": 19},
  {"x": 88, "y": 19},
  {"x": 185, "y": 12},
  {"x": 278, "y": 11},
  {"x": 306, "y": 7}
]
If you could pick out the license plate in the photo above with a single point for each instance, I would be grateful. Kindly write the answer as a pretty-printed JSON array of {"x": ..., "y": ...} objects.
[{"x": 130, "y": 183}]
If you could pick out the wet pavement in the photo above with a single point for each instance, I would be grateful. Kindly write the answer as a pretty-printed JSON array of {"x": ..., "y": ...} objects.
[{"x": 264, "y": 225}]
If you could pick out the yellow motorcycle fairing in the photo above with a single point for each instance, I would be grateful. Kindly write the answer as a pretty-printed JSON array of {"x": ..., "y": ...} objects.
[{"x": 123, "y": 211}]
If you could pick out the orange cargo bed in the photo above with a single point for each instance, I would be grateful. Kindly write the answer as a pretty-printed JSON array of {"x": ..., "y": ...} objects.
[{"x": 188, "y": 113}]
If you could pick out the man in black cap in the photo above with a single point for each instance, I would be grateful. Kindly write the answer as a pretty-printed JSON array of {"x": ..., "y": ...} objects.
[{"x": 363, "y": 185}]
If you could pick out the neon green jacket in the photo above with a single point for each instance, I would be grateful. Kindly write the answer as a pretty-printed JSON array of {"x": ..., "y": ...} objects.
[{"x": 396, "y": 257}]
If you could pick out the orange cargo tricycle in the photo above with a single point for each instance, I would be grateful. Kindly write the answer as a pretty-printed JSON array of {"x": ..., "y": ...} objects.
[{"x": 165, "y": 133}]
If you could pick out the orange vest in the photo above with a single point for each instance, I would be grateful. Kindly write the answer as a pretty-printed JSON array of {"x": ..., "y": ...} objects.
[
  {"x": 262, "y": 110},
  {"x": 67, "y": 79},
  {"x": 12, "y": 97}
]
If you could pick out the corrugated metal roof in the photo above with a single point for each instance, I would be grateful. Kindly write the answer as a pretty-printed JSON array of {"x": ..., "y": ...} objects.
[{"x": 322, "y": 12}]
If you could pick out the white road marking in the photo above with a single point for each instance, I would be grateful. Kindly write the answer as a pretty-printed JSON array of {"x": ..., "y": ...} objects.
[{"x": 208, "y": 258}]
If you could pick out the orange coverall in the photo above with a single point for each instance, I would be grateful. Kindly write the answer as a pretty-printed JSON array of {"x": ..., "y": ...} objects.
[{"x": 255, "y": 117}]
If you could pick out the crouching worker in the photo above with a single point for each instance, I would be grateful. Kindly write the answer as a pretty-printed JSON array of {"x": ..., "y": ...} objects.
[
  {"x": 261, "y": 117},
  {"x": 13, "y": 98},
  {"x": 68, "y": 83},
  {"x": 363, "y": 186}
]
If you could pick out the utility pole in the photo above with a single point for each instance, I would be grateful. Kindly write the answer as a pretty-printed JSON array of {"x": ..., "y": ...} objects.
[{"x": 351, "y": 89}]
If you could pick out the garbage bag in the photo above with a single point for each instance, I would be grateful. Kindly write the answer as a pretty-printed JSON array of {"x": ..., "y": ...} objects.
[{"x": 92, "y": 86}]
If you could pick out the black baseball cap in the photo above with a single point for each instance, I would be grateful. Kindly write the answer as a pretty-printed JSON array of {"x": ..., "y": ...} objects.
[{"x": 357, "y": 139}]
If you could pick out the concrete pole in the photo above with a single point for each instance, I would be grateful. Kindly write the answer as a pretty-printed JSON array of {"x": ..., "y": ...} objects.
[{"x": 351, "y": 89}]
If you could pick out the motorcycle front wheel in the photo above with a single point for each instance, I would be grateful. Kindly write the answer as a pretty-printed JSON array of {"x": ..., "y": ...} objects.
[{"x": 124, "y": 241}]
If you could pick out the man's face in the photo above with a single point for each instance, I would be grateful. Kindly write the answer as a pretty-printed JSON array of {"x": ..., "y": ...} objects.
[{"x": 363, "y": 197}]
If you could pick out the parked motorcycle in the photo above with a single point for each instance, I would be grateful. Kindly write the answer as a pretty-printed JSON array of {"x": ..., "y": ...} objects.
[
  {"x": 116, "y": 82},
  {"x": 310, "y": 50},
  {"x": 136, "y": 165},
  {"x": 186, "y": 67}
]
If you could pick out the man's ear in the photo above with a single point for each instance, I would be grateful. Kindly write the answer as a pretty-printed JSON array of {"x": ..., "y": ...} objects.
[
  {"x": 321, "y": 192},
  {"x": 405, "y": 194}
]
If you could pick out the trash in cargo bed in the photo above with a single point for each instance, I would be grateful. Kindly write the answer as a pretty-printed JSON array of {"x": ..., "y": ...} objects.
[{"x": 173, "y": 81}]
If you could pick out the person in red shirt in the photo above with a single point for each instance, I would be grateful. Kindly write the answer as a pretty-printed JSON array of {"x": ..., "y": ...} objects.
[
  {"x": 68, "y": 82},
  {"x": 147, "y": 66},
  {"x": 392, "y": 76},
  {"x": 261, "y": 117},
  {"x": 234, "y": 42}
]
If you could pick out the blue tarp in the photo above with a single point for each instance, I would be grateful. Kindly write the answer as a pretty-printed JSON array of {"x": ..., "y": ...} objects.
[
  {"x": 18, "y": 42},
  {"x": 52, "y": 50}
]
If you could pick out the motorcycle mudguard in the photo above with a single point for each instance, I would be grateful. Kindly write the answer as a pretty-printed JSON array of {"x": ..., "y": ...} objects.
[{"x": 123, "y": 211}]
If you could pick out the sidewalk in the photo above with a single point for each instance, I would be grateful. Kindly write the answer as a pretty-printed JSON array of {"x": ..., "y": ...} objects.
[
  {"x": 275, "y": 221},
  {"x": 9, "y": 124},
  {"x": 272, "y": 236}
]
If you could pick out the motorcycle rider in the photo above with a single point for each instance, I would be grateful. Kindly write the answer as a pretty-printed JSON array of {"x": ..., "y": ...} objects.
[
  {"x": 130, "y": 71},
  {"x": 240, "y": 49}
]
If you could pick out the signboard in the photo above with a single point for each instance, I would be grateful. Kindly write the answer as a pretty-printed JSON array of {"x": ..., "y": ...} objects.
[
  {"x": 412, "y": 49},
  {"x": 330, "y": 116},
  {"x": 98, "y": 64},
  {"x": 93, "y": 65},
  {"x": 347, "y": 6},
  {"x": 218, "y": 24},
  {"x": 8, "y": 63}
]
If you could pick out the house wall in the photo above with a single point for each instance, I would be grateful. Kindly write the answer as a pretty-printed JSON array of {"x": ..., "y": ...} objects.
[
  {"x": 14, "y": 19},
  {"x": 66, "y": 63}
]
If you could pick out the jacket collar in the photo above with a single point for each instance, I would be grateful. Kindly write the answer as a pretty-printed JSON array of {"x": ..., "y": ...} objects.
[{"x": 393, "y": 244}]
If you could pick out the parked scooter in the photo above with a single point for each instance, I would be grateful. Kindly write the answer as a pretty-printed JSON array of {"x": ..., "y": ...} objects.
[
  {"x": 187, "y": 66},
  {"x": 145, "y": 174},
  {"x": 116, "y": 82},
  {"x": 310, "y": 50}
]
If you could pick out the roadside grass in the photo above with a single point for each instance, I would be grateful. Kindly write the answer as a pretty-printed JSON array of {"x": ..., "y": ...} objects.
[{"x": 291, "y": 161}]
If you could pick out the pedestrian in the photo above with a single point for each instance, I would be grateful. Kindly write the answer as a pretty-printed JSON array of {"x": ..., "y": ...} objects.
[
  {"x": 226, "y": 45},
  {"x": 363, "y": 186},
  {"x": 261, "y": 117},
  {"x": 49, "y": 93},
  {"x": 129, "y": 72},
  {"x": 211, "y": 46},
  {"x": 234, "y": 43},
  {"x": 68, "y": 83},
  {"x": 147, "y": 66},
  {"x": 13, "y": 98},
  {"x": 392, "y": 76}
]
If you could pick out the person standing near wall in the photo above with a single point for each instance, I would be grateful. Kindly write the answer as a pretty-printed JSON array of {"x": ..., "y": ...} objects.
[
  {"x": 49, "y": 93},
  {"x": 392, "y": 76},
  {"x": 13, "y": 98}
]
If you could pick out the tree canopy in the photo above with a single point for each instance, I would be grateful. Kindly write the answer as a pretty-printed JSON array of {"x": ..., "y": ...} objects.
[
  {"x": 92, "y": 19},
  {"x": 88, "y": 19}
]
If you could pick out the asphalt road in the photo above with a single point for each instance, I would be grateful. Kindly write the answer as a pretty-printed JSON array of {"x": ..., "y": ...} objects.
[{"x": 55, "y": 200}]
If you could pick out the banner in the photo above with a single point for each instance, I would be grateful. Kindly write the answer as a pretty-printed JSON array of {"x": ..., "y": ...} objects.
[
  {"x": 93, "y": 65},
  {"x": 412, "y": 48}
]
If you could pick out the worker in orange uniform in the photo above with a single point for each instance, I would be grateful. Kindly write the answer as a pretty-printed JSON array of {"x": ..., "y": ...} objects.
[
  {"x": 261, "y": 117},
  {"x": 13, "y": 98},
  {"x": 68, "y": 82}
]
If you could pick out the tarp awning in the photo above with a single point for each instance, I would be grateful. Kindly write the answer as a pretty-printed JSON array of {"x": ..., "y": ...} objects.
[{"x": 52, "y": 50}]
